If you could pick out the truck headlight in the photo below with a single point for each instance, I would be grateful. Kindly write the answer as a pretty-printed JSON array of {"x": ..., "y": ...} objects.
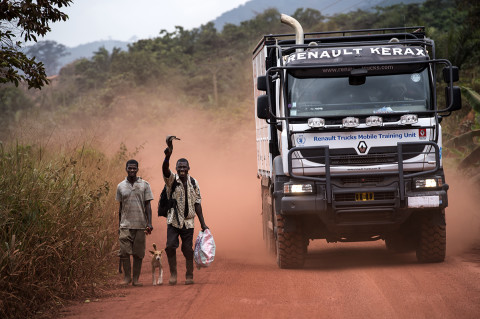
[
  {"x": 297, "y": 188},
  {"x": 350, "y": 122},
  {"x": 374, "y": 121},
  {"x": 408, "y": 119},
  {"x": 316, "y": 122},
  {"x": 428, "y": 182}
]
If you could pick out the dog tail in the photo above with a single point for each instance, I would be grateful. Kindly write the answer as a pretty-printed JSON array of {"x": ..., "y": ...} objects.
[{"x": 154, "y": 246}]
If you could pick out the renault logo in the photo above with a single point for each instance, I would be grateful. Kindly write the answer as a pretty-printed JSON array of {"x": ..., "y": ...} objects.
[{"x": 362, "y": 147}]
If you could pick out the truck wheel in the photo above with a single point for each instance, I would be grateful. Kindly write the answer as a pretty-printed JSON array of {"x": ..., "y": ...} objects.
[
  {"x": 268, "y": 235},
  {"x": 291, "y": 246},
  {"x": 432, "y": 242}
]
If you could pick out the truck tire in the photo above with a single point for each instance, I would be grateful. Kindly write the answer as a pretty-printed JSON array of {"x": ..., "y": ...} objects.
[
  {"x": 291, "y": 246},
  {"x": 267, "y": 213},
  {"x": 432, "y": 242}
]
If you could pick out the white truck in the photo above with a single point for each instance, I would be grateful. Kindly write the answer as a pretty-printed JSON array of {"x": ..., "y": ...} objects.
[{"x": 349, "y": 141}]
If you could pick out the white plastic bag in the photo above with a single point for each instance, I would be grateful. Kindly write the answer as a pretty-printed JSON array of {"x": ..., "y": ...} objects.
[{"x": 204, "y": 252}]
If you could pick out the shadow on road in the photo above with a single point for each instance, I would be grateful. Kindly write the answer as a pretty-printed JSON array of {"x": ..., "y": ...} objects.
[{"x": 356, "y": 257}]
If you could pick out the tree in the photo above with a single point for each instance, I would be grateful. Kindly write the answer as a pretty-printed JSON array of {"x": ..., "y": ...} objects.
[
  {"x": 308, "y": 17},
  {"x": 49, "y": 52},
  {"x": 27, "y": 19}
]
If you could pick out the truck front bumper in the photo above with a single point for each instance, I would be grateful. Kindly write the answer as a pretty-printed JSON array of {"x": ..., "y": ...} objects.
[{"x": 347, "y": 215}]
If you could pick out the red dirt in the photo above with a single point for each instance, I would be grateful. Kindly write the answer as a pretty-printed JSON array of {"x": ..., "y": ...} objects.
[{"x": 339, "y": 280}]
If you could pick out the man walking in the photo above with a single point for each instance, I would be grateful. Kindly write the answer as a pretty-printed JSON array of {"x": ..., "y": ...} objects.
[
  {"x": 135, "y": 221},
  {"x": 185, "y": 194}
]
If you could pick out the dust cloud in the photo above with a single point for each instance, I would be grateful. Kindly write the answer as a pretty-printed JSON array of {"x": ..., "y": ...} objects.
[
  {"x": 222, "y": 155},
  {"x": 222, "y": 158},
  {"x": 462, "y": 214},
  {"x": 218, "y": 142}
]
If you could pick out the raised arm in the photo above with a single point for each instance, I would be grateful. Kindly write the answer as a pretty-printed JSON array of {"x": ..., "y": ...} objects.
[{"x": 166, "y": 163}]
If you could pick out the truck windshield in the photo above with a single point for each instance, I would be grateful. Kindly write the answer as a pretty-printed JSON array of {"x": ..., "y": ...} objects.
[{"x": 378, "y": 95}]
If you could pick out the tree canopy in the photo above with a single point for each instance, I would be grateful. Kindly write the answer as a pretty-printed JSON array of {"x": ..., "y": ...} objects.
[
  {"x": 213, "y": 67},
  {"x": 25, "y": 19},
  {"x": 49, "y": 52}
]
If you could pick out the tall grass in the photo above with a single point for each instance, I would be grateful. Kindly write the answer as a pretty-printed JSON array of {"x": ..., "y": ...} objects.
[{"x": 58, "y": 228}]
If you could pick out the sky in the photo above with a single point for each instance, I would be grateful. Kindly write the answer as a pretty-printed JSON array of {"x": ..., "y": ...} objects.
[{"x": 128, "y": 20}]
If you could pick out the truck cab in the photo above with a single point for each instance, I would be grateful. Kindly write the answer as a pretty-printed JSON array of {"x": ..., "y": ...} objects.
[{"x": 349, "y": 141}]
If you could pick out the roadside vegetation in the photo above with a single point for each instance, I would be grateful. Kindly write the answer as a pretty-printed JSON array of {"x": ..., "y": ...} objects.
[
  {"x": 57, "y": 210},
  {"x": 57, "y": 225}
]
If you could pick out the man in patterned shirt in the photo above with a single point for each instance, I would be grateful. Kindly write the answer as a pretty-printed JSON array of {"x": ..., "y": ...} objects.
[
  {"x": 180, "y": 218},
  {"x": 135, "y": 221}
]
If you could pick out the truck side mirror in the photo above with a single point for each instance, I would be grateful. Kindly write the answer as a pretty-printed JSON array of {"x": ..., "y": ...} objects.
[
  {"x": 457, "y": 98},
  {"x": 263, "y": 108},
  {"x": 262, "y": 83},
  {"x": 446, "y": 74}
]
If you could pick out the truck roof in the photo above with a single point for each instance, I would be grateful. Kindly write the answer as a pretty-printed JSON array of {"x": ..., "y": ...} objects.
[{"x": 411, "y": 35}]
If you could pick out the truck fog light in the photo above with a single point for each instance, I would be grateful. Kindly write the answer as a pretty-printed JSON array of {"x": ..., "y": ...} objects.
[
  {"x": 374, "y": 121},
  {"x": 316, "y": 122},
  {"x": 350, "y": 122},
  {"x": 408, "y": 119},
  {"x": 297, "y": 188},
  {"x": 428, "y": 182}
]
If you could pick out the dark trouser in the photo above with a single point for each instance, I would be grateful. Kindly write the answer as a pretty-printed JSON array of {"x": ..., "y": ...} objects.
[{"x": 172, "y": 241}]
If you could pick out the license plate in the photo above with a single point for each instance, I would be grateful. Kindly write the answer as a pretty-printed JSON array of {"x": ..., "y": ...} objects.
[
  {"x": 360, "y": 197},
  {"x": 424, "y": 201}
]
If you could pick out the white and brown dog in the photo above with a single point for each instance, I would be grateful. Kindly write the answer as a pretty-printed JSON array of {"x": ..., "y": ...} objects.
[{"x": 157, "y": 263}]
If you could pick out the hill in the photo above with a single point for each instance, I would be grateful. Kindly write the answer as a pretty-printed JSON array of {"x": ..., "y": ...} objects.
[
  {"x": 251, "y": 8},
  {"x": 87, "y": 50}
]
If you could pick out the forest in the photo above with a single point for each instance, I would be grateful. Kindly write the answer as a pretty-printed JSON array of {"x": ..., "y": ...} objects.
[
  {"x": 212, "y": 67},
  {"x": 203, "y": 69}
]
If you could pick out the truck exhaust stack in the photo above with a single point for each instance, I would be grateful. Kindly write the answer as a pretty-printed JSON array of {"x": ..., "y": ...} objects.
[{"x": 299, "y": 36}]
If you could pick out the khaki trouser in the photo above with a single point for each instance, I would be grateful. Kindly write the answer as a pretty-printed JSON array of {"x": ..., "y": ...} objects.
[{"x": 132, "y": 242}]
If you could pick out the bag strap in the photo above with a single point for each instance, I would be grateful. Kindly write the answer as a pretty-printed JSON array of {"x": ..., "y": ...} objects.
[
  {"x": 175, "y": 207},
  {"x": 192, "y": 180},
  {"x": 172, "y": 189}
]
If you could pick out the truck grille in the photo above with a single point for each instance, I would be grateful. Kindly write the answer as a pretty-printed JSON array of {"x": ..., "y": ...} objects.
[
  {"x": 362, "y": 180},
  {"x": 350, "y": 197},
  {"x": 348, "y": 156},
  {"x": 365, "y": 159}
]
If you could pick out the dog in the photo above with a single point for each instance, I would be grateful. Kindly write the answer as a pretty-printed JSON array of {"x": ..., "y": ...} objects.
[{"x": 157, "y": 263}]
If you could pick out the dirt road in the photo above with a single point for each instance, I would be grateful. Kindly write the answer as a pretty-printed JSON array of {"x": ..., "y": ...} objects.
[
  {"x": 354, "y": 280},
  {"x": 339, "y": 281},
  {"x": 349, "y": 280}
]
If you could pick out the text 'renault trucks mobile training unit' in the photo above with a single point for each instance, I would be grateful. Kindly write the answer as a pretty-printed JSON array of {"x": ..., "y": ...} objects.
[{"x": 349, "y": 142}]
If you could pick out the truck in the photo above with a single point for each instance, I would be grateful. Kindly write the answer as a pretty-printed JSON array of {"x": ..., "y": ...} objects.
[{"x": 349, "y": 139}]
